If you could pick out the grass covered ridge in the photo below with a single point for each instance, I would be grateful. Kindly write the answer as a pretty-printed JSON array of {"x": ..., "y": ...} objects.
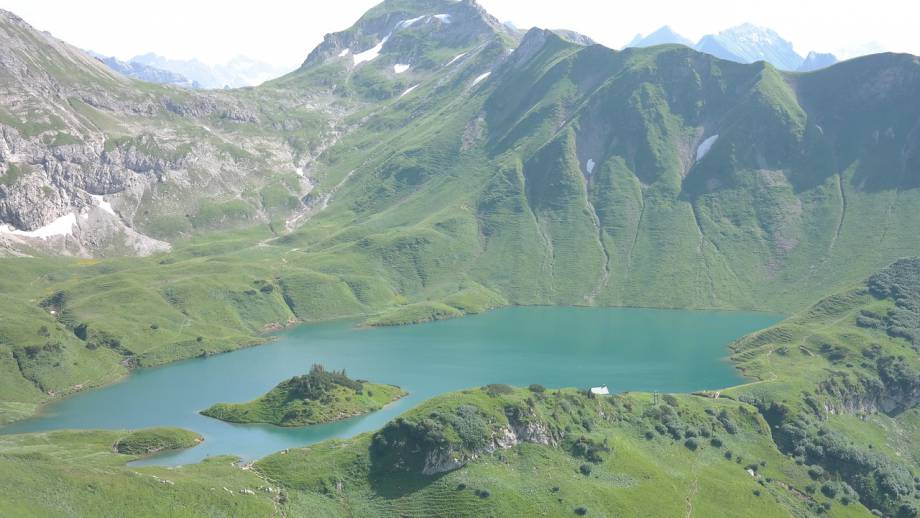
[
  {"x": 519, "y": 452},
  {"x": 840, "y": 386},
  {"x": 314, "y": 398}
]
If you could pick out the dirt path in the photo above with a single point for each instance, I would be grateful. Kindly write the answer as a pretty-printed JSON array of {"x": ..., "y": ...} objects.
[{"x": 694, "y": 489}]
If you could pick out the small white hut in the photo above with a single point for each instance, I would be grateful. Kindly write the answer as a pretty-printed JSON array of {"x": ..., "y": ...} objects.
[{"x": 602, "y": 390}]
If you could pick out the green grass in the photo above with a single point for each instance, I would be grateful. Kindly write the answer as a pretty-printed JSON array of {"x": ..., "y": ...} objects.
[
  {"x": 14, "y": 172},
  {"x": 76, "y": 473},
  {"x": 415, "y": 314},
  {"x": 155, "y": 440},
  {"x": 633, "y": 475},
  {"x": 314, "y": 398},
  {"x": 836, "y": 383},
  {"x": 457, "y": 199}
]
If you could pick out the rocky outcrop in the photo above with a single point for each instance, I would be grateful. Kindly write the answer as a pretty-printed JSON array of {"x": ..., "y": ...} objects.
[
  {"x": 523, "y": 427},
  {"x": 896, "y": 390},
  {"x": 396, "y": 28},
  {"x": 72, "y": 130}
]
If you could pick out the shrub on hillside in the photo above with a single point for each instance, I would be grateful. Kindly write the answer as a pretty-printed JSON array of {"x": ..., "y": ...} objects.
[
  {"x": 497, "y": 389},
  {"x": 727, "y": 423},
  {"x": 318, "y": 382},
  {"x": 589, "y": 449}
]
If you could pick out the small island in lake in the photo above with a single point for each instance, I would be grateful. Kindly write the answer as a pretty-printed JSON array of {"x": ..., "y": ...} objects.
[{"x": 315, "y": 398}]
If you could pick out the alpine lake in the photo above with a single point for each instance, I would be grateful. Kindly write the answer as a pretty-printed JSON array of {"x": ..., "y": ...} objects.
[{"x": 624, "y": 349}]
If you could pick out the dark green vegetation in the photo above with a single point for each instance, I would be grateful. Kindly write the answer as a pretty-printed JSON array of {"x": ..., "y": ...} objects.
[
  {"x": 154, "y": 440},
  {"x": 314, "y": 398},
  {"x": 497, "y": 451},
  {"x": 840, "y": 384},
  {"x": 77, "y": 473},
  {"x": 458, "y": 198},
  {"x": 656, "y": 177},
  {"x": 828, "y": 427}
]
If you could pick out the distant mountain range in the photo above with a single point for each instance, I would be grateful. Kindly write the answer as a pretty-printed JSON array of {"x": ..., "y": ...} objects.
[
  {"x": 191, "y": 73},
  {"x": 746, "y": 43},
  {"x": 144, "y": 72}
]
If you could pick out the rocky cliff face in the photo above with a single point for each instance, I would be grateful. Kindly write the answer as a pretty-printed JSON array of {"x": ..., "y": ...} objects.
[
  {"x": 76, "y": 137},
  {"x": 870, "y": 396},
  {"x": 165, "y": 162},
  {"x": 530, "y": 430}
]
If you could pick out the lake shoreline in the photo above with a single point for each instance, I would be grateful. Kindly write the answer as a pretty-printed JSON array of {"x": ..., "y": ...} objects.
[
  {"x": 630, "y": 349},
  {"x": 271, "y": 333}
]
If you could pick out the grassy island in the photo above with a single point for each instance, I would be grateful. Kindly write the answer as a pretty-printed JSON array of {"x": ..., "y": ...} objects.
[
  {"x": 155, "y": 440},
  {"x": 317, "y": 397}
]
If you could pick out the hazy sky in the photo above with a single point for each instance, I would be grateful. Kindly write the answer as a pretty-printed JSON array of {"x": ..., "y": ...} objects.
[{"x": 283, "y": 32}]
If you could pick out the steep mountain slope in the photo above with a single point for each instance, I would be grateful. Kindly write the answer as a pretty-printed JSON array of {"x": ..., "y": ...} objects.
[
  {"x": 445, "y": 174},
  {"x": 94, "y": 163},
  {"x": 400, "y": 43},
  {"x": 714, "y": 187},
  {"x": 840, "y": 386},
  {"x": 161, "y": 163},
  {"x": 556, "y": 174}
]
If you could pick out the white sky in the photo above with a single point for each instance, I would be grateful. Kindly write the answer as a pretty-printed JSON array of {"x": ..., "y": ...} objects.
[{"x": 283, "y": 32}]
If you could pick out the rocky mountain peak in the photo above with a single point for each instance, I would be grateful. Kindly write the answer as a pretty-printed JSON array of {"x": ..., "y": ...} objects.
[
  {"x": 748, "y": 43},
  {"x": 404, "y": 27}
]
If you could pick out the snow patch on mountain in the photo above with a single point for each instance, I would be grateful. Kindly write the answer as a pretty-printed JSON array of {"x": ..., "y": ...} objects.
[
  {"x": 409, "y": 90},
  {"x": 458, "y": 56},
  {"x": 589, "y": 165},
  {"x": 104, "y": 205},
  {"x": 405, "y": 24},
  {"x": 444, "y": 18},
  {"x": 62, "y": 226},
  {"x": 400, "y": 68},
  {"x": 705, "y": 146},
  {"x": 481, "y": 78},
  {"x": 371, "y": 53}
]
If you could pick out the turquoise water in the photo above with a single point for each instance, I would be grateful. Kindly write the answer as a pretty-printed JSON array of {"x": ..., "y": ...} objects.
[{"x": 626, "y": 349}]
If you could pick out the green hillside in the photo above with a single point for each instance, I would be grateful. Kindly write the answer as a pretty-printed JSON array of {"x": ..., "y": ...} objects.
[
  {"x": 527, "y": 453},
  {"x": 314, "y": 398},
  {"x": 78, "y": 473},
  {"x": 840, "y": 384},
  {"x": 430, "y": 162},
  {"x": 827, "y": 427},
  {"x": 461, "y": 197}
]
